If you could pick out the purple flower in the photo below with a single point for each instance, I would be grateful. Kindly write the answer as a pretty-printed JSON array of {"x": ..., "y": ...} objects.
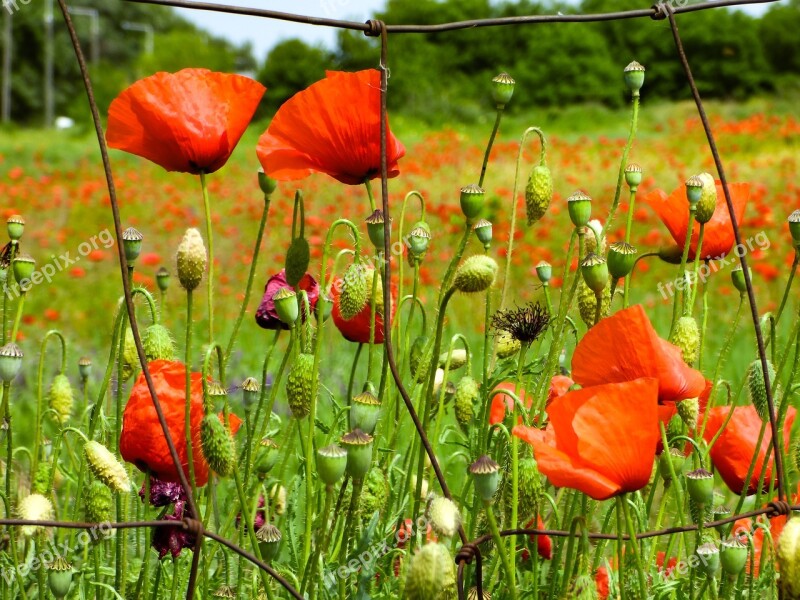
[
  {"x": 266, "y": 316},
  {"x": 163, "y": 493},
  {"x": 260, "y": 519},
  {"x": 173, "y": 539}
]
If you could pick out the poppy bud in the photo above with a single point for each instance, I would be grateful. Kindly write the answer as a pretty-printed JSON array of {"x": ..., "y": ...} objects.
[
  {"x": 375, "y": 228},
  {"x": 689, "y": 411},
  {"x": 432, "y": 574},
  {"x": 544, "y": 271},
  {"x": 483, "y": 231},
  {"x": 98, "y": 502},
  {"x": 458, "y": 358},
  {"x": 530, "y": 487},
  {"x": 538, "y": 193},
  {"x": 364, "y": 412},
  {"x": 708, "y": 554},
  {"x": 23, "y": 266},
  {"x": 299, "y": 383},
  {"x": 789, "y": 559},
  {"x": 191, "y": 260},
  {"x": 507, "y": 345},
  {"x": 267, "y": 184},
  {"x": 467, "y": 392},
  {"x": 444, "y": 517},
  {"x": 16, "y": 227},
  {"x": 708, "y": 199},
  {"x": 217, "y": 445},
  {"x": 595, "y": 241},
  {"x": 250, "y": 392},
  {"x": 277, "y": 497},
  {"x": 694, "y": 190},
  {"x": 130, "y": 357},
  {"x": 297, "y": 258},
  {"x": 671, "y": 254},
  {"x": 634, "y": 77},
  {"x": 105, "y": 466},
  {"x": 579, "y": 206},
  {"x": 359, "y": 453},
  {"x": 10, "y": 361},
  {"x": 621, "y": 258},
  {"x": 266, "y": 457},
  {"x": 60, "y": 397},
  {"x": 502, "y": 89},
  {"x": 285, "y": 300},
  {"x": 757, "y": 387},
  {"x": 331, "y": 463},
  {"x": 633, "y": 176},
  {"x": 472, "y": 198},
  {"x": 157, "y": 343},
  {"x": 673, "y": 456},
  {"x": 737, "y": 278},
  {"x": 34, "y": 507},
  {"x": 59, "y": 577},
  {"x": 374, "y": 494},
  {"x": 132, "y": 244},
  {"x": 595, "y": 272},
  {"x": 733, "y": 556},
  {"x": 41, "y": 479},
  {"x": 794, "y": 227},
  {"x": 419, "y": 239},
  {"x": 700, "y": 484},
  {"x": 355, "y": 291},
  {"x": 486, "y": 474},
  {"x": 224, "y": 591},
  {"x": 686, "y": 336},
  {"x": 85, "y": 367},
  {"x": 476, "y": 274},
  {"x": 269, "y": 541},
  {"x": 587, "y": 303},
  {"x": 162, "y": 279}
]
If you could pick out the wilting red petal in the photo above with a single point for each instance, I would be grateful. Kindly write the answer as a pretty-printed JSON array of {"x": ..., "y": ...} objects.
[
  {"x": 544, "y": 545},
  {"x": 559, "y": 385},
  {"x": 624, "y": 347},
  {"x": 331, "y": 127},
  {"x": 189, "y": 121}
]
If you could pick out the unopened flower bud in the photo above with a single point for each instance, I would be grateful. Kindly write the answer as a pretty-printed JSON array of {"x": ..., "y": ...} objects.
[
  {"x": 266, "y": 457},
  {"x": 757, "y": 387},
  {"x": 298, "y": 256},
  {"x": 61, "y": 398},
  {"x": 299, "y": 384},
  {"x": 595, "y": 272},
  {"x": 544, "y": 271},
  {"x": 355, "y": 291},
  {"x": 23, "y": 266},
  {"x": 686, "y": 336},
  {"x": 105, "y": 466},
  {"x": 633, "y": 176},
  {"x": 444, "y": 517},
  {"x": 579, "y": 206},
  {"x": 364, "y": 412},
  {"x": 432, "y": 574},
  {"x": 34, "y": 507},
  {"x": 331, "y": 463},
  {"x": 16, "y": 227},
  {"x": 476, "y": 274},
  {"x": 634, "y": 77},
  {"x": 132, "y": 244},
  {"x": 217, "y": 445},
  {"x": 486, "y": 475},
  {"x": 700, "y": 484},
  {"x": 621, "y": 258},
  {"x": 502, "y": 89},
  {"x": 98, "y": 502},
  {"x": 708, "y": 199},
  {"x": 467, "y": 392},
  {"x": 472, "y": 198},
  {"x": 191, "y": 260},
  {"x": 162, "y": 279},
  {"x": 507, "y": 345},
  {"x": 733, "y": 556},
  {"x": 789, "y": 559},
  {"x": 538, "y": 193},
  {"x": 10, "y": 361},
  {"x": 359, "y": 453},
  {"x": 375, "y": 224},
  {"x": 737, "y": 278},
  {"x": 158, "y": 343},
  {"x": 59, "y": 577},
  {"x": 269, "y": 540},
  {"x": 458, "y": 357},
  {"x": 689, "y": 411},
  {"x": 267, "y": 184},
  {"x": 286, "y": 306},
  {"x": 483, "y": 231}
]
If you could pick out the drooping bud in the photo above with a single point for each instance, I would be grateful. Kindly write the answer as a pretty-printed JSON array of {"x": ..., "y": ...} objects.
[
  {"x": 299, "y": 385},
  {"x": 419, "y": 239},
  {"x": 191, "y": 260},
  {"x": 700, "y": 485},
  {"x": 10, "y": 361},
  {"x": 98, "y": 502},
  {"x": 694, "y": 190},
  {"x": 538, "y": 193},
  {"x": 266, "y": 457},
  {"x": 355, "y": 291},
  {"x": 130, "y": 357},
  {"x": 331, "y": 463},
  {"x": 269, "y": 541},
  {"x": 544, "y": 271},
  {"x": 444, "y": 517},
  {"x": 794, "y": 227},
  {"x": 364, "y": 412},
  {"x": 157, "y": 343},
  {"x": 16, "y": 227},
  {"x": 23, "y": 266},
  {"x": 59, "y": 577},
  {"x": 476, "y": 274},
  {"x": 757, "y": 386},
  {"x": 359, "y": 453},
  {"x": 467, "y": 392},
  {"x": 708, "y": 199},
  {"x": 579, "y": 206},
  {"x": 733, "y": 556},
  {"x": 507, "y": 345},
  {"x": 432, "y": 574},
  {"x": 595, "y": 272},
  {"x": 297, "y": 258},
  {"x": 105, "y": 466},
  {"x": 217, "y": 445},
  {"x": 286, "y": 306},
  {"x": 85, "y": 368},
  {"x": 483, "y": 231},
  {"x": 250, "y": 392},
  {"x": 34, "y": 507},
  {"x": 686, "y": 336},
  {"x": 472, "y": 198},
  {"x": 634, "y": 77},
  {"x": 502, "y": 89},
  {"x": 737, "y": 278},
  {"x": 162, "y": 279},
  {"x": 689, "y": 411},
  {"x": 267, "y": 184},
  {"x": 486, "y": 475},
  {"x": 621, "y": 258},
  {"x": 708, "y": 554},
  {"x": 132, "y": 244},
  {"x": 789, "y": 559},
  {"x": 60, "y": 397},
  {"x": 633, "y": 176},
  {"x": 375, "y": 232},
  {"x": 458, "y": 358}
]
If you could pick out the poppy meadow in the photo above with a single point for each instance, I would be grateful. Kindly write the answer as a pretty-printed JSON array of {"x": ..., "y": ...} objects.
[{"x": 561, "y": 311}]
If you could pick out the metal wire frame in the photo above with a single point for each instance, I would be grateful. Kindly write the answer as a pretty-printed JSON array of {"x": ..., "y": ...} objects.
[{"x": 469, "y": 550}]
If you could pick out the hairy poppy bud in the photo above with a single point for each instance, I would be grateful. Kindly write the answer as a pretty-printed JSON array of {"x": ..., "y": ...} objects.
[
  {"x": 359, "y": 453},
  {"x": 60, "y": 397},
  {"x": 269, "y": 541},
  {"x": 59, "y": 577},
  {"x": 737, "y": 278},
  {"x": 472, "y": 198},
  {"x": 162, "y": 279},
  {"x": 364, "y": 412},
  {"x": 757, "y": 387},
  {"x": 587, "y": 303},
  {"x": 476, "y": 274},
  {"x": 467, "y": 392},
  {"x": 375, "y": 223},
  {"x": 250, "y": 392},
  {"x": 621, "y": 258},
  {"x": 34, "y": 507},
  {"x": 530, "y": 487},
  {"x": 217, "y": 445},
  {"x": 689, "y": 411},
  {"x": 432, "y": 574},
  {"x": 297, "y": 258},
  {"x": 794, "y": 227},
  {"x": 634, "y": 77},
  {"x": 789, "y": 559},
  {"x": 502, "y": 89},
  {"x": 132, "y": 244},
  {"x": 708, "y": 199},
  {"x": 374, "y": 494},
  {"x": 16, "y": 227},
  {"x": 130, "y": 357},
  {"x": 331, "y": 463},
  {"x": 633, "y": 176},
  {"x": 192, "y": 260},
  {"x": 538, "y": 193},
  {"x": 595, "y": 241},
  {"x": 694, "y": 190},
  {"x": 157, "y": 343},
  {"x": 708, "y": 554},
  {"x": 355, "y": 291},
  {"x": 266, "y": 457},
  {"x": 98, "y": 502},
  {"x": 507, "y": 345},
  {"x": 733, "y": 556},
  {"x": 483, "y": 231},
  {"x": 674, "y": 458},
  {"x": 285, "y": 301},
  {"x": 458, "y": 358},
  {"x": 23, "y": 266},
  {"x": 267, "y": 184},
  {"x": 419, "y": 239},
  {"x": 299, "y": 383},
  {"x": 579, "y": 206},
  {"x": 486, "y": 474},
  {"x": 686, "y": 336},
  {"x": 544, "y": 271},
  {"x": 105, "y": 466},
  {"x": 700, "y": 484},
  {"x": 10, "y": 361},
  {"x": 444, "y": 517}
]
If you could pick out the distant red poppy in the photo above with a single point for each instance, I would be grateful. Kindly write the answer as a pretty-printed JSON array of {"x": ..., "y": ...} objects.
[
  {"x": 544, "y": 545},
  {"x": 733, "y": 451},
  {"x": 357, "y": 328},
  {"x": 718, "y": 237},
  {"x": 502, "y": 403},
  {"x": 625, "y": 346},
  {"x": 600, "y": 440},
  {"x": 189, "y": 121},
  {"x": 332, "y": 127},
  {"x": 601, "y": 582}
]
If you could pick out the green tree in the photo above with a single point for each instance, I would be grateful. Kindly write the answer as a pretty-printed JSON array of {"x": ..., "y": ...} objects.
[{"x": 291, "y": 66}]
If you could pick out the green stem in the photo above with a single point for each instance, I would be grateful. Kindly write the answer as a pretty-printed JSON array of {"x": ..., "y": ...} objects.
[
  {"x": 682, "y": 272},
  {"x": 210, "y": 236},
  {"x": 188, "y": 391},
  {"x": 788, "y": 286},
  {"x": 18, "y": 318},
  {"x": 498, "y": 542},
  {"x": 350, "y": 527},
  {"x": 489, "y": 145},
  {"x": 634, "y": 546},
  {"x": 623, "y": 163},
  {"x": 688, "y": 308},
  {"x": 37, "y": 438}
]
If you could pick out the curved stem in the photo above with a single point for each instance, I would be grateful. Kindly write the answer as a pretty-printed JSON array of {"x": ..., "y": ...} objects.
[
  {"x": 37, "y": 438},
  {"x": 623, "y": 163},
  {"x": 795, "y": 263},
  {"x": 688, "y": 308},
  {"x": 18, "y": 317},
  {"x": 501, "y": 550},
  {"x": 489, "y": 145}
]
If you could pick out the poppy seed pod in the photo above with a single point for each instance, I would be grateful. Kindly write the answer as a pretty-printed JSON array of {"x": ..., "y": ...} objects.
[
  {"x": 700, "y": 484},
  {"x": 85, "y": 367},
  {"x": 297, "y": 258},
  {"x": 483, "y": 231},
  {"x": 132, "y": 244},
  {"x": 708, "y": 554},
  {"x": 789, "y": 559},
  {"x": 634, "y": 77},
  {"x": 23, "y": 266},
  {"x": 419, "y": 239},
  {"x": 191, "y": 259},
  {"x": 15, "y": 225},
  {"x": 544, "y": 271},
  {"x": 267, "y": 184},
  {"x": 708, "y": 198},
  {"x": 105, "y": 466},
  {"x": 486, "y": 475},
  {"x": 733, "y": 556},
  {"x": 157, "y": 343},
  {"x": 502, "y": 89},
  {"x": 217, "y": 445},
  {"x": 444, "y": 516},
  {"x": 476, "y": 274},
  {"x": 737, "y": 278},
  {"x": 299, "y": 385},
  {"x": 794, "y": 227},
  {"x": 269, "y": 539},
  {"x": 472, "y": 198},
  {"x": 694, "y": 189},
  {"x": 331, "y": 463},
  {"x": 670, "y": 458},
  {"x": 359, "y": 453},
  {"x": 59, "y": 577},
  {"x": 621, "y": 258},
  {"x": 595, "y": 272},
  {"x": 10, "y": 361},
  {"x": 34, "y": 507},
  {"x": 162, "y": 279},
  {"x": 757, "y": 387},
  {"x": 686, "y": 336},
  {"x": 375, "y": 224},
  {"x": 579, "y": 206},
  {"x": 224, "y": 591},
  {"x": 507, "y": 345},
  {"x": 458, "y": 358},
  {"x": 61, "y": 398},
  {"x": 250, "y": 392},
  {"x": 364, "y": 412},
  {"x": 432, "y": 574},
  {"x": 633, "y": 176},
  {"x": 266, "y": 457},
  {"x": 538, "y": 193},
  {"x": 355, "y": 291},
  {"x": 286, "y": 306}
]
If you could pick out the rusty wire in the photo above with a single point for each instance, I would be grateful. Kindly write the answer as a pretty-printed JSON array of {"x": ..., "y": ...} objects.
[{"x": 469, "y": 550}]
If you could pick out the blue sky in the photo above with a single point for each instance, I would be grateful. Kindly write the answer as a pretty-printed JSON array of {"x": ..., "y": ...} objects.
[{"x": 265, "y": 33}]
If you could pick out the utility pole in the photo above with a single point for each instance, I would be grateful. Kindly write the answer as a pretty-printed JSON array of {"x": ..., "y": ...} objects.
[
  {"x": 148, "y": 31},
  {"x": 49, "y": 102},
  {"x": 7, "y": 57}
]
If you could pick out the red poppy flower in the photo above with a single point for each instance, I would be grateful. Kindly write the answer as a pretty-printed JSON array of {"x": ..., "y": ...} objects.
[
  {"x": 733, "y": 451},
  {"x": 624, "y": 347},
  {"x": 142, "y": 441},
  {"x": 331, "y": 127},
  {"x": 601, "y": 582},
  {"x": 559, "y": 385},
  {"x": 544, "y": 545},
  {"x": 718, "y": 237},
  {"x": 670, "y": 565},
  {"x": 600, "y": 440},
  {"x": 502, "y": 403},
  {"x": 189, "y": 121},
  {"x": 266, "y": 315},
  {"x": 357, "y": 328}
]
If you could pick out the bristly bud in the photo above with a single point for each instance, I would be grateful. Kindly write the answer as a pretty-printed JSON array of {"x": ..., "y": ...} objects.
[
  {"x": 502, "y": 89},
  {"x": 538, "y": 193},
  {"x": 132, "y": 244},
  {"x": 192, "y": 260},
  {"x": 267, "y": 184},
  {"x": 544, "y": 271},
  {"x": 737, "y": 278},
  {"x": 355, "y": 291},
  {"x": 331, "y": 463},
  {"x": 10, "y": 361},
  {"x": 689, "y": 411},
  {"x": 285, "y": 300},
  {"x": 467, "y": 392},
  {"x": 16, "y": 227},
  {"x": 105, "y": 466},
  {"x": 269, "y": 539},
  {"x": 250, "y": 391},
  {"x": 673, "y": 457},
  {"x": 757, "y": 387},
  {"x": 634, "y": 77},
  {"x": 794, "y": 227},
  {"x": 266, "y": 457},
  {"x": 525, "y": 324},
  {"x": 217, "y": 445},
  {"x": 633, "y": 176},
  {"x": 708, "y": 199},
  {"x": 364, "y": 412},
  {"x": 444, "y": 517},
  {"x": 531, "y": 487},
  {"x": 476, "y": 274},
  {"x": 23, "y": 266},
  {"x": 789, "y": 559},
  {"x": 85, "y": 368},
  {"x": 130, "y": 357},
  {"x": 483, "y": 231},
  {"x": 694, "y": 190},
  {"x": 621, "y": 258},
  {"x": 587, "y": 303},
  {"x": 157, "y": 343},
  {"x": 595, "y": 272},
  {"x": 419, "y": 239},
  {"x": 98, "y": 502},
  {"x": 375, "y": 232},
  {"x": 472, "y": 198},
  {"x": 162, "y": 279},
  {"x": 486, "y": 474},
  {"x": 700, "y": 484},
  {"x": 733, "y": 556},
  {"x": 59, "y": 577},
  {"x": 507, "y": 346},
  {"x": 458, "y": 358},
  {"x": 708, "y": 554},
  {"x": 34, "y": 507},
  {"x": 299, "y": 385},
  {"x": 298, "y": 256},
  {"x": 579, "y": 206},
  {"x": 359, "y": 453},
  {"x": 432, "y": 574},
  {"x": 60, "y": 397},
  {"x": 686, "y": 336}
]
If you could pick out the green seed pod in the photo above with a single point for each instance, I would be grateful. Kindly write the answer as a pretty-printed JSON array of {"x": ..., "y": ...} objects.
[
  {"x": 733, "y": 556},
  {"x": 621, "y": 258},
  {"x": 467, "y": 392},
  {"x": 483, "y": 231},
  {"x": 98, "y": 502},
  {"x": 694, "y": 190},
  {"x": 757, "y": 387},
  {"x": 737, "y": 278},
  {"x": 299, "y": 383},
  {"x": 250, "y": 393},
  {"x": 331, "y": 463},
  {"x": 59, "y": 577},
  {"x": 10, "y": 361},
  {"x": 579, "y": 206},
  {"x": 132, "y": 244},
  {"x": 23, "y": 266},
  {"x": 191, "y": 260},
  {"x": 60, "y": 397},
  {"x": 85, "y": 368},
  {"x": 297, "y": 258},
  {"x": 432, "y": 574},
  {"x": 789, "y": 559},
  {"x": 158, "y": 344},
  {"x": 686, "y": 336},
  {"x": 544, "y": 271},
  {"x": 286, "y": 306},
  {"x": 538, "y": 193},
  {"x": 476, "y": 274},
  {"x": 162, "y": 279},
  {"x": 633, "y": 176},
  {"x": 708, "y": 554},
  {"x": 634, "y": 77},
  {"x": 269, "y": 541},
  {"x": 507, "y": 345},
  {"x": 375, "y": 223},
  {"x": 794, "y": 227},
  {"x": 105, "y": 466},
  {"x": 355, "y": 291},
  {"x": 700, "y": 485},
  {"x": 365, "y": 409},
  {"x": 359, "y": 453},
  {"x": 486, "y": 474},
  {"x": 217, "y": 445},
  {"x": 266, "y": 457},
  {"x": 15, "y": 225},
  {"x": 595, "y": 272},
  {"x": 502, "y": 89},
  {"x": 689, "y": 411},
  {"x": 708, "y": 199},
  {"x": 472, "y": 199},
  {"x": 419, "y": 239},
  {"x": 587, "y": 303},
  {"x": 267, "y": 184},
  {"x": 674, "y": 456}
]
